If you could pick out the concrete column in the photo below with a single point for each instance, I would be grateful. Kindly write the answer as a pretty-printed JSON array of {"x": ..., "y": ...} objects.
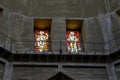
[
  {"x": 60, "y": 67},
  {"x": 58, "y": 35},
  {"x": 92, "y": 30},
  {"x": 106, "y": 26},
  {"x": 115, "y": 31},
  {"x": 111, "y": 72},
  {"x": 8, "y": 71}
]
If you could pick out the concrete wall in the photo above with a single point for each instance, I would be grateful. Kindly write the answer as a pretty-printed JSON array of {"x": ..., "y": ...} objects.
[
  {"x": 113, "y": 4},
  {"x": 4, "y": 28},
  {"x": 98, "y": 29},
  {"x": 62, "y": 8},
  {"x": 87, "y": 73},
  {"x": 17, "y": 28},
  {"x": 110, "y": 26},
  {"x": 93, "y": 35},
  {"x": 58, "y": 34},
  {"x": 44, "y": 73},
  {"x": 117, "y": 67},
  {"x": 33, "y": 72},
  {"x": 115, "y": 30},
  {"x": 16, "y": 23},
  {"x": 1, "y": 71}
]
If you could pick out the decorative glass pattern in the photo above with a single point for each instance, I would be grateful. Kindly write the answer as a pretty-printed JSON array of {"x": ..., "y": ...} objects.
[
  {"x": 41, "y": 40},
  {"x": 73, "y": 41}
]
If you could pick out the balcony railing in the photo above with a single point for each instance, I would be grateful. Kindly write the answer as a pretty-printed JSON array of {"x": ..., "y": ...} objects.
[{"x": 59, "y": 47}]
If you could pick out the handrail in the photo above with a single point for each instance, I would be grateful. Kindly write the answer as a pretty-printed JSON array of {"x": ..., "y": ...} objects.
[
  {"x": 94, "y": 46},
  {"x": 32, "y": 41},
  {"x": 113, "y": 39}
]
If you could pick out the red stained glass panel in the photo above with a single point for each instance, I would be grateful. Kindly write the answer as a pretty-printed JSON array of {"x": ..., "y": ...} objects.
[
  {"x": 73, "y": 41},
  {"x": 41, "y": 41}
]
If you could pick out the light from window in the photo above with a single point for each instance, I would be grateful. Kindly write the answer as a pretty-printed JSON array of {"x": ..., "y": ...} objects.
[
  {"x": 41, "y": 41},
  {"x": 73, "y": 41}
]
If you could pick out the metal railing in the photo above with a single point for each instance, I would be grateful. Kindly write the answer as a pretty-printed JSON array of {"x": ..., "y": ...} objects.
[{"x": 90, "y": 48}]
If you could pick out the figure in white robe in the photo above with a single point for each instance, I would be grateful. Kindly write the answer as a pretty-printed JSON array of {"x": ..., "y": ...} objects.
[
  {"x": 73, "y": 42},
  {"x": 41, "y": 41}
]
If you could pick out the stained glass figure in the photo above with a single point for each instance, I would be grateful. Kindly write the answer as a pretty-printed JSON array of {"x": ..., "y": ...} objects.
[
  {"x": 41, "y": 41},
  {"x": 73, "y": 41}
]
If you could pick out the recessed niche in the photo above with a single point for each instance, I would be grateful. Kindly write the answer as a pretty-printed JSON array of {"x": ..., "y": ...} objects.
[
  {"x": 44, "y": 24},
  {"x": 42, "y": 29},
  {"x": 74, "y": 35},
  {"x": 74, "y": 24}
]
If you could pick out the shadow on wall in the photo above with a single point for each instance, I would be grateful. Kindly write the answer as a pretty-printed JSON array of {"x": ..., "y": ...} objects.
[
  {"x": 1, "y": 9},
  {"x": 1, "y": 70},
  {"x": 118, "y": 12}
]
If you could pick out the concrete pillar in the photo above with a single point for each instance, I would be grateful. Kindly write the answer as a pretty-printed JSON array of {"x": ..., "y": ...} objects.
[
  {"x": 8, "y": 71},
  {"x": 92, "y": 30},
  {"x": 106, "y": 26},
  {"x": 60, "y": 67},
  {"x": 111, "y": 72},
  {"x": 58, "y": 35}
]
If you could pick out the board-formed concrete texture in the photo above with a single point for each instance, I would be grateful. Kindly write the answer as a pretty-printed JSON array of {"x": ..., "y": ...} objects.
[
  {"x": 34, "y": 72},
  {"x": 87, "y": 73},
  {"x": 1, "y": 71},
  {"x": 18, "y": 17},
  {"x": 61, "y": 8},
  {"x": 118, "y": 70},
  {"x": 21, "y": 28},
  {"x": 101, "y": 24}
]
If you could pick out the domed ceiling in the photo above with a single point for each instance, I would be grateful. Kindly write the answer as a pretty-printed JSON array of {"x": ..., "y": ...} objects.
[{"x": 61, "y": 8}]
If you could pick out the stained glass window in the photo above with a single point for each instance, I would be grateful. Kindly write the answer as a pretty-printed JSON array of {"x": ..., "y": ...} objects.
[
  {"x": 41, "y": 40},
  {"x": 73, "y": 41}
]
